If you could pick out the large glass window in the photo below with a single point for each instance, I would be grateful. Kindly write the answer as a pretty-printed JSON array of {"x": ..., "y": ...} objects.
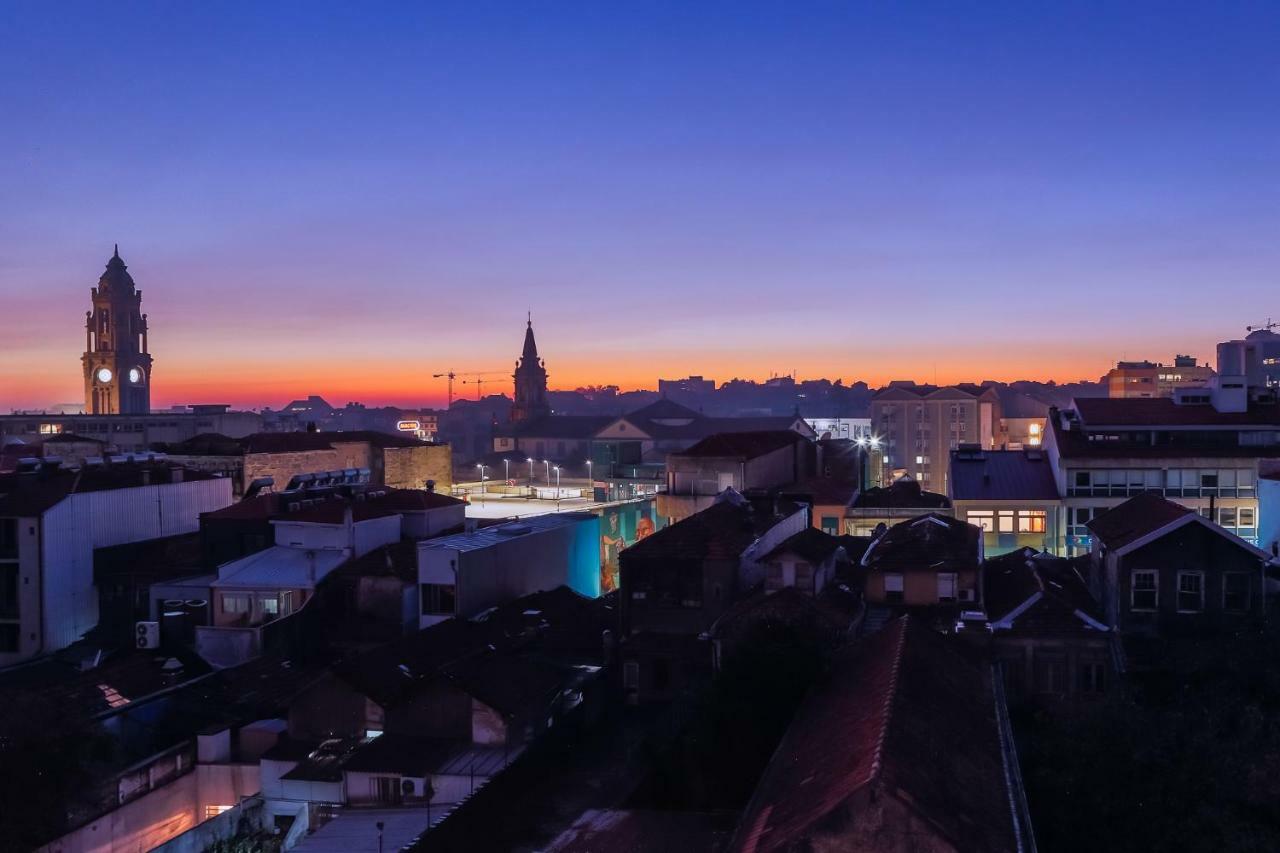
[
  {"x": 1005, "y": 521},
  {"x": 1227, "y": 516},
  {"x": 1145, "y": 588},
  {"x": 1190, "y": 592},
  {"x": 1246, "y": 517}
]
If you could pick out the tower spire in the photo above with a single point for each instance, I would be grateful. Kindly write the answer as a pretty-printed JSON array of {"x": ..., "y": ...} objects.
[{"x": 117, "y": 252}]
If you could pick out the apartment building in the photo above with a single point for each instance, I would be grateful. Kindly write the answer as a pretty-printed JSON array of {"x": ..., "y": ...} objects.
[
  {"x": 919, "y": 425},
  {"x": 1143, "y": 379}
]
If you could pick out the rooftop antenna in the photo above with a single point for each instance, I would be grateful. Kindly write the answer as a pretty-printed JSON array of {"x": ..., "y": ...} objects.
[{"x": 1267, "y": 326}]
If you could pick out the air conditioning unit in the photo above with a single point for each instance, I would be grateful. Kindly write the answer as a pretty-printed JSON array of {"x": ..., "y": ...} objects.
[
  {"x": 146, "y": 635},
  {"x": 966, "y": 595}
]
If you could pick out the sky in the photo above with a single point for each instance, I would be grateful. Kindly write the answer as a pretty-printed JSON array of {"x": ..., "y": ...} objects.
[{"x": 345, "y": 199}]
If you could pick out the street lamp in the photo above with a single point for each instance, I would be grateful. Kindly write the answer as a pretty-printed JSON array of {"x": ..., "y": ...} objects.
[
  {"x": 530, "y": 476},
  {"x": 591, "y": 482},
  {"x": 506, "y": 472},
  {"x": 557, "y": 470},
  {"x": 482, "y": 476},
  {"x": 547, "y": 462}
]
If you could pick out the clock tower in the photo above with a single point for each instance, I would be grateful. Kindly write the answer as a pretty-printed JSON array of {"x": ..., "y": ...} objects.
[{"x": 117, "y": 366}]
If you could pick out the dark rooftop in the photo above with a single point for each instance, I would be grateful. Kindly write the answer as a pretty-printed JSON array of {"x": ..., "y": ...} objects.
[
  {"x": 1154, "y": 412},
  {"x": 31, "y": 493},
  {"x": 811, "y": 543},
  {"x": 644, "y": 831},
  {"x": 1135, "y": 518},
  {"x": 903, "y": 714},
  {"x": 740, "y": 445},
  {"x": 903, "y": 494},
  {"x": 1002, "y": 475},
  {"x": 929, "y": 541},
  {"x": 1062, "y": 605},
  {"x": 722, "y": 531}
]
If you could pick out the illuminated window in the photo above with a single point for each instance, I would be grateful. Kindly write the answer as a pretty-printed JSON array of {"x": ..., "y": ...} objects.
[
  {"x": 235, "y": 603},
  {"x": 214, "y": 811},
  {"x": 893, "y": 587},
  {"x": 1006, "y": 521},
  {"x": 946, "y": 586},
  {"x": 1031, "y": 521},
  {"x": 982, "y": 518}
]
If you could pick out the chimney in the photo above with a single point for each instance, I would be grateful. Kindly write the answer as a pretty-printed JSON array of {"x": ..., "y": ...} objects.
[{"x": 431, "y": 486}]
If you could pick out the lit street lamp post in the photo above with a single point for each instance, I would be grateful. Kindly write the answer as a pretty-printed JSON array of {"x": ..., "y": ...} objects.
[
  {"x": 547, "y": 462},
  {"x": 530, "y": 477},
  {"x": 591, "y": 482},
  {"x": 557, "y": 469},
  {"x": 482, "y": 479}
]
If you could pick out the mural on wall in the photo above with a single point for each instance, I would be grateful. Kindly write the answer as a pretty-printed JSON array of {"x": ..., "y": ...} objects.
[{"x": 621, "y": 526}]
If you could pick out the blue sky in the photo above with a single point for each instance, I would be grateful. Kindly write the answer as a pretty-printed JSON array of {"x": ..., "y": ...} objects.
[{"x": 345, "y": 198}]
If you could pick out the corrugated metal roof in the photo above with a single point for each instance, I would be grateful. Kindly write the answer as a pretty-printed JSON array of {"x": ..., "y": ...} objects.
[{"x": 1002, "y": 475}]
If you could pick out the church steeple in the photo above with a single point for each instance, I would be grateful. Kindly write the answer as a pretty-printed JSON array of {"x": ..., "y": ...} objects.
[
  {"x": 530, "y": 353},
  {"x": 116, "y": 361},
  {"x": 530, "y": 381}
]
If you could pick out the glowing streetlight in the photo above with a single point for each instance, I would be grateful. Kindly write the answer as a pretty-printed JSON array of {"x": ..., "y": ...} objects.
[
  {"x": 482, "y": 469},
  {"x": 547, "y": 462},
  {"x": 557, "y": 470}
]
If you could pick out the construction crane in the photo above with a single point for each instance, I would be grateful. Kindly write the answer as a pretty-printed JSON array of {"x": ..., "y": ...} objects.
[
  {"x": 1267, "y": 326},
  {"x": 477, "y": 381}
]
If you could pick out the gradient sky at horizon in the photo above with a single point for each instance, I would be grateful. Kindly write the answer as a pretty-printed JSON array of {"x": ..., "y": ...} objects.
[{"x": 346, "y": 198}]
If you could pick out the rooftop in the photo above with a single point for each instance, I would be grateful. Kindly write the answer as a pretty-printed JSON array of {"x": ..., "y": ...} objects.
[
  {"x": 916, "y": 721},
  {"x": 1154, "y": 412},
  {"x": 34, "y": 492},
  {"x": 722, "y": 531},
  {"x": 644, "y": 831},
  {"x": 929, "y": 541},
  {"x": 1001, "y": 475},
  {"x": 811, "y": 543},
  {"x": 740, "y": 445},
  {"x": 1032, "y": 593},
  {"x": 1135, "y": 518},
  {"x": 487, "y": 537},
  {"x": 279, "y": 567},
  {"x": 903, "y": 494}
]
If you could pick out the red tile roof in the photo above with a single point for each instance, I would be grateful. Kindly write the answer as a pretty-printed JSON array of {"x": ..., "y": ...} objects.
[{"x": 905, "y": 714}]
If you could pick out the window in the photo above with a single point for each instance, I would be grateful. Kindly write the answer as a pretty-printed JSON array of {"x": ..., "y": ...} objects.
[
  {"x": 233, "y": 602},
  {"x": 1091, "y": 677},
  {"x": 9, "y": 591},
  {"x": 982, "y": 518},
  {"x": 1051, "y": 675},
  {"x": 1190, "y": 592},
  {"x": 1031, "y": 521},
  {"x": 271, "y": 606},
  {"x": 1082, "y": 479},
  {"x": 1227, "y": 516},
  {"x": 213, "y": 811},
  {"x": 1143, "y": 596},
  {"x": 831, "y": 525},
  {"x": 8, "y": 537},
  {"x": 1235, "y": 592},
  {"x": 1208, "y": 479},
  {"x": 439, "y": 598},
  {"x": 946, "y": 586},
  {"x": 893, "y": 587},
  {"x": 1246, "y": 516},
  {"x": 8, "y": 637},
  {"x": 1006, "y": 521}
]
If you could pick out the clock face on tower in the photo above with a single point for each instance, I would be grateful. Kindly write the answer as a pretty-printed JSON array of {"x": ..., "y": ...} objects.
[
  {"x": 104, "y": 374},
  {"x": 135, "y": 375}
]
